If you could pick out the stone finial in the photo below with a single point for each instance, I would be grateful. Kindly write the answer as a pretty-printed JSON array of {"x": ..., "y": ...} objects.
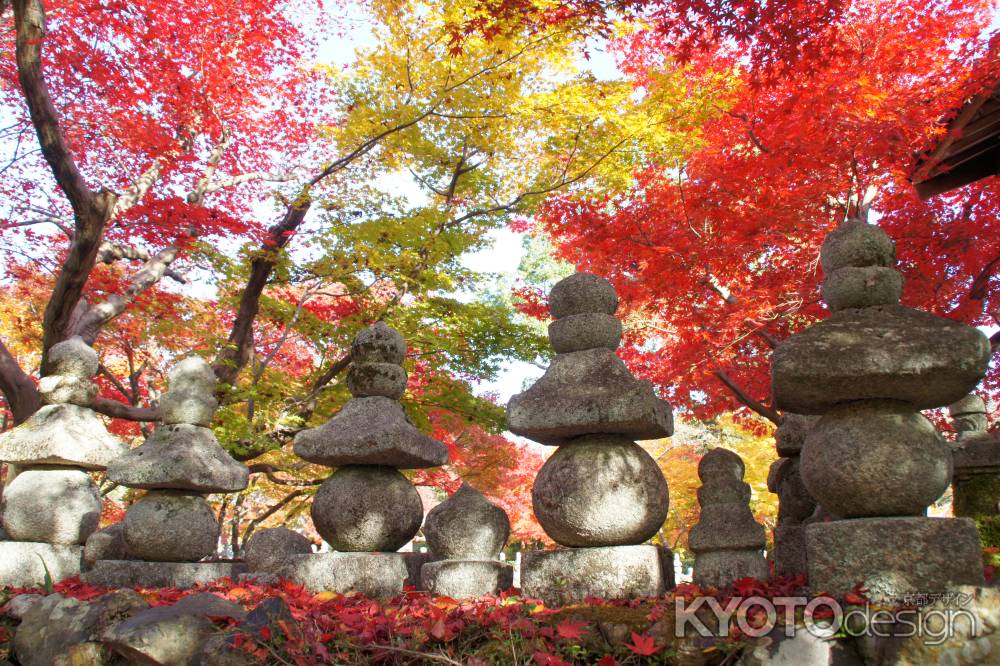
[
  {"x": 791, "y": 434},
  {"x": 378, "y": 344},
  {"x": 72, "y": 363},
  {"x": 969, "y": 416},
  {"x": 856, "y": 244},
  {"x": 190, "y": 397},
  {"x": 582, "y": 293},
  {"x": 376, "y": 355},
  {"x": 583, "y": 306},
  {"x": 857, "y": 259},
  {"x": 467, "y": 526}
]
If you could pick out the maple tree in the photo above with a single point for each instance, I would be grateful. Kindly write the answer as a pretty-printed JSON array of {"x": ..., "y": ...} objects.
[{"x": 715, "y": 254}]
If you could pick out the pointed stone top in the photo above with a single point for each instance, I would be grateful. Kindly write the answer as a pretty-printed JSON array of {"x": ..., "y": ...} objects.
[
  {"x": 190, "y": 397},
  {"x": 378, "y": 344},
  {"x": 467, "y": 526},
  {"x": 720, "y": 464},
  {"x": 73, "y": 358},
  {"x": 582, "y": 293},
  {"x": 970, "y": 404},
  {"x": 857, "y": 244}
]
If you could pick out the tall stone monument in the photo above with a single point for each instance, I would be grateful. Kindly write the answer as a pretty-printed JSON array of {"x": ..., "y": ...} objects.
[
  {"x": 795, "y": 505},
  {"x": 466, "y": 533},
  {"x": 367, "y": 509},
  {"x": 976, "y": 477},
  {"x": 172, "y": 526},
  {"x": 600, "y": 495},
  {"x": 52, "y": 505},
  {"x": 873, "y": 460}
]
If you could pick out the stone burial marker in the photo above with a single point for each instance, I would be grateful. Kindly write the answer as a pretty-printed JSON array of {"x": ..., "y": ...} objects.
[
  {"x": 367, "y": 509},
  {"x": 873, "y": 460},
  {"x": 52, "y": 506},
  {"x": 172, "y": 526},
  {"x": 976, "y": 480},
  {"x": 796, "y": 506},
  {"x": 600, "y": 494}
]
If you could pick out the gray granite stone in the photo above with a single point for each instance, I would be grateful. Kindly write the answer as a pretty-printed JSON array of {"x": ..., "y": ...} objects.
[
  {"x": 795, "y": 504},
  {"x": 970, "y": 404},
  {"x": 414, "y": 563},
  {"x": 977, "y": 455},
  {"x": 51, "y": 504},
  {"x": 582, "y": 293},
  {"x": 570, "y": 575},
  {"x": 61, "y": 435},
  {"x": 883, "y": 352},
  {"x": 371, "y": 379},
  {"x": 372, "y": 574},
  {"x": 875, "y": 458},
  {"x": 365, "y": 508},
  {"x": 20, "y": 604},
  {"x": 267, "y": 548},
  {"x": 378, "y": 344},
  {"x": 59, "y": 389},
  {"x": 105, "y": 544},
  {"x": 73, "y": 358},
  {"x": 466, "y": 526},
  {"x": 600, "y": 490},
  {"x": 190, "y": 397},
  {"x": 461, "y": 579},
  {"x": 21, "y": 562},
  {"x": 856, "y": 243},
  {"x": 171, "y": 526},
  {"x": 590, "y": 330},
  {"x": 893, "y": 556},
  {"x": 862, "y": 287},
  {"x": 180, "y": 457},
  {"x": 789, "y": 550},
  {"x": 182, "y": 575},
  {"x": 370, "y": 431},
  {"x": 791, "y": 434},
  {"x": 721, "y": 568},
  {"x": 588, "y": 392}
]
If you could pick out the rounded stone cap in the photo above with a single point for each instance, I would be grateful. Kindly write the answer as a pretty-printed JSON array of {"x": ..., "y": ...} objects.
[
  {"x": 190, "y": 397},
  {"x": 970, "y": 404},
  {"x": 378, "y": 344},
  {"x": 856, "y": 243},
  {"x": 74, "y": 358},
  {"x": 862, "y": 287},
  {"x": 582, "y": 293},
  {"x": 466, "y": 526},
  {"x": 592, "y": 330},
  {"x": 791, "y": 434},
  {"x": 720, "y": 464}
]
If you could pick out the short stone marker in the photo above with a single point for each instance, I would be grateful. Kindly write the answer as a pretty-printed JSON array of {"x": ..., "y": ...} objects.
[
  {"x": 976, "y": 477},
  {"x": 795, "y": 505},
  {"x": 873, "y": 460},
  {"x": 52, "y": 505},
  {"x": 600, "y": 494}
]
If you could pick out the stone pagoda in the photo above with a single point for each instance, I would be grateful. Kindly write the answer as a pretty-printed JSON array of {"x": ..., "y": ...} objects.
[
  {"x": 600, "y": 494},
  {"x": 466, "y": 533},
  {"x": 367, "y": 509},
  {"x": 795, "y": 505},
  {"x": 52, "y": 505},
  {"x": 873, "y": 460},
  {"x": 976, "y": 477},
  {"x": 171, "y": 527},
  {"x": 727, "y": 542}
]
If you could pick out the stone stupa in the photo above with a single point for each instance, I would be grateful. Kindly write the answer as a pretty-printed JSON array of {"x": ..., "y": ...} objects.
[
  {"x": 795, "y": 505},
  {"x": 52, "y": 505},
  {"x": 600, "y": 495},
  {"x": 873, "y": 460}
]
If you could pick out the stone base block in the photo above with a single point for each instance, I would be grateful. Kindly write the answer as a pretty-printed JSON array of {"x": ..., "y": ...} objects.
[
  {"x": 569, "y": 575},
  {"x": 21, "y": 562},
  {"x": 137, "y": 573},
  {"x": 372, "y": 574},
  {"x": 460, "y": 579},
  {"x": 790, "y": 550},
  {"x": 721, "y": 568},
  {"x": 414, "y": 563},
  {"x": 892, "y": 557}
]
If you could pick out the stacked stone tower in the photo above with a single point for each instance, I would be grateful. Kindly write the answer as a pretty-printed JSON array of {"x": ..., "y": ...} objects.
[
  {"x": 976, "y": 481},
  {"x": 873, "y": 460},
  {"x": 727, "y": 542},
  {"x": 172, "y": 526},
  {"x": 466, "y": 533},
  {"x": 52, "y": 505},
  {"x": 600, "y": 494},
  {"x": 795, "y": 505},
  {"x": 367, "y": 509}
]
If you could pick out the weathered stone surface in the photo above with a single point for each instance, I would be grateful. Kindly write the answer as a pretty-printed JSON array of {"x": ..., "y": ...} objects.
[
  {"x": 862, "y": 287},
  {"x": 461, "y": 579},
  {"x": 21, "y": 562},
  {"x": 272, "y": 613},
  {"x": 58, "y": 630},
  {"x": 370, "y": 431},
  {"x": 721, "y": 568},
  {"x": 600, "y": 490},
  {"x": 800, "y": 649},
  {"x": 171, "y": 526},
  {"x": 979, "y": 454},
  {"x": 61, "y": 435},
  {"x": 190, "y": 397},
  {"x": 371, "y": 379},
  {"x": 856, "y": 243},
  {"x": 667, "y": 567},
  {"x": 365, "y": 508},
  {"x": 372, "y": 574},
  {"x": 795, "y": 504},
  {"x": 584, "y": 393},
  {"x": 378, "y": 344},
  {"x": 19, "y": 605},
  {"x": 181, "y": 575},
  {"x": 170, "y": 635},
  {"x": 789, "y": 551},
  {"x": 791, "y": 434},
  {"x": 180, "y": 457},
  {"x": 105, "y": 544},
  {"x": 590, "y": 330},
  {"x": 726, "y": 522},
  {"x": 970, "y": 404},
  {"x": 893, "y": 556},
  {"x": 51, "y": 504},
  {"x": 582, "y": 293},
  {"x": 466, "y": 526},
  {"x": 883, "y": 352},
  {"x": 570, "y": 575},
  {"x": 73, "y": 358},
  {"x": 58, "y": 389},
  {"x": 875, "y": 458},
  {"x": 267, "y": 548},
  {"x": 414, "y": 563}
]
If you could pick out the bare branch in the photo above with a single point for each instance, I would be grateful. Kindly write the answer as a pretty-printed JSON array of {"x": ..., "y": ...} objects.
[
  {"x": 120, "y": 410},
  {"x": 768, "y": 413}
]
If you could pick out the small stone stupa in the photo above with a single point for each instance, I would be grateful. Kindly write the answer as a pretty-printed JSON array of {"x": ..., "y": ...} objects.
[
  {"x": 976, "y": 480},
  {"x": 873, "y": 460},
  {"x": 367, "y": 509},
  {"x": 600, "y": 494},
  {"x": 52, "y": 505},
  {"x": 727, "y": 542},
  {"x": 795, "y": 505},
  {"x": 172, "y": 526},
  {"x": 466, "y": 533}
]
